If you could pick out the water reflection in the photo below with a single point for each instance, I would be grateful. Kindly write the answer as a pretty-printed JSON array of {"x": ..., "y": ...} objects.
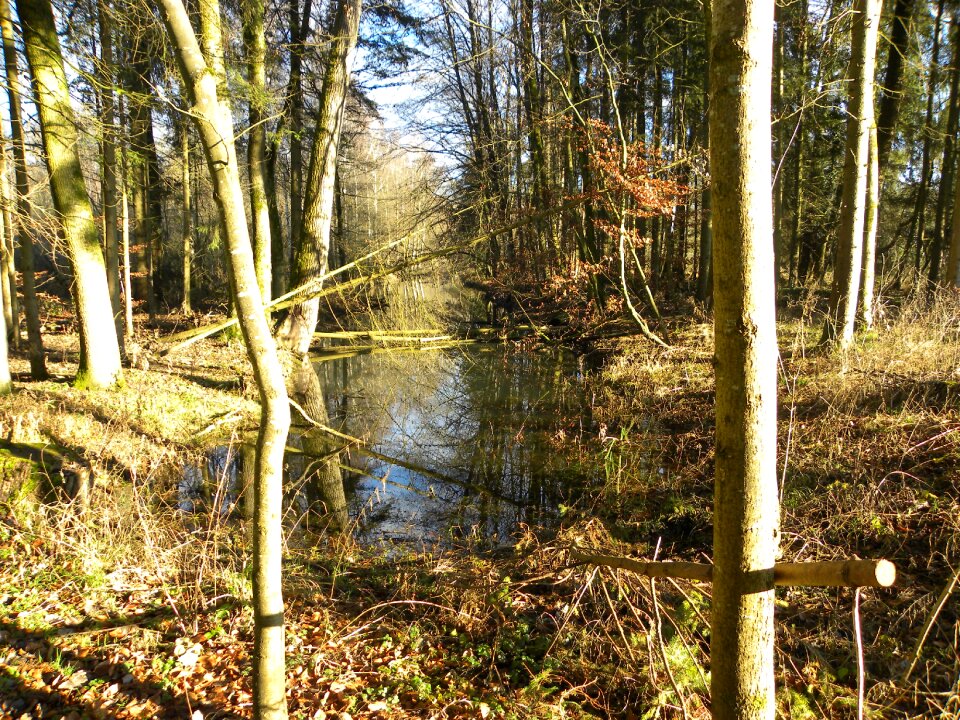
[
  {"x": 460, "y": 446},
  {"x": 464, "y": 445}
]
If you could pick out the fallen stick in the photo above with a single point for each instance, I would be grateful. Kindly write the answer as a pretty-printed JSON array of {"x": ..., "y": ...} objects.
[{"x": 842, "y": 573}]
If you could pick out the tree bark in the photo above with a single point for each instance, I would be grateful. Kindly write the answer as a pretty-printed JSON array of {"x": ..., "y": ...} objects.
[
  {"x": 99, "y": 346},
  {"x": 313, "y": 247},
  {"x": 948, "y": 171},
  {"x": 841, "y": 316},
  {"x": 31, "y": 309},
  {"x": 256, "y": 50},
  {"x": 111, "y": 242},
  {"x": 891, "y": 91},
  {"x": 186, "y": 228},
  {"x": 865, "y": 313},
  {"x": 214, "y": 123},
  {"x": 746, "y": 508},
  {"x": 6, "y": 382},
  {"x": 8, "y": 273}
]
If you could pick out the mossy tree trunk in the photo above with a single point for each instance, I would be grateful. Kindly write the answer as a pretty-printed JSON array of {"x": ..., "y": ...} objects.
[
  {"x": 841, "y": 315},
  {"x": 313, "y": 246},
  {"x": 31, "y": 309},
  {"x": 99, "y": 347},
  {"x": 746, "y": 510},
  {"x": 214, "y": 123}
]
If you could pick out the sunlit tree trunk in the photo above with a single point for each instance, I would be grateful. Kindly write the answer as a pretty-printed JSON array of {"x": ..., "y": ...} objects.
[
  {"x": 31, "y": 309},
  {"x": 99, "y": 347},
  {"x": 109, "y": 169},
  {"x": 186, "y": 229},
  {"x": 8, "y": 273},
  {"x": 256, "y": 50},
  {"x": 313, "y": 247},
  {"x": 865, "y": 312},
  {"x": 299, "y": 28},
  {"x": 214, "y": 123},
  {"x": 948, "y": 171},
  {"x": 6, "y": 382},
  {"x": 746, "y": 506},
  {"x": 841, "y": 316}
]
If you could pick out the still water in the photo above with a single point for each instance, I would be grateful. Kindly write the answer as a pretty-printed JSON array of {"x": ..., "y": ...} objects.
[{"x": 461, "y": 446}]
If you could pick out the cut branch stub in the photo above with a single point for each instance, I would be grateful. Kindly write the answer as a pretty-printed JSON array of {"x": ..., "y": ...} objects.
[{"x": 841, "y": 573}]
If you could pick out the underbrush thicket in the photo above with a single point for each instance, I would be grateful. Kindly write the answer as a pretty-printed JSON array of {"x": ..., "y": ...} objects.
[{"x": 119, "y": 607}]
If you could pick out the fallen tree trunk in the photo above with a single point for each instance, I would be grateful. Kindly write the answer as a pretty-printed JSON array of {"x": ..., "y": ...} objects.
[{"x": 840, "y": 573}]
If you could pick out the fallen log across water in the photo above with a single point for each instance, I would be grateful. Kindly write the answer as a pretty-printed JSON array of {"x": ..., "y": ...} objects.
[
  {"x": 838, "y": 573},
  {"x": 317, "y": 287}
]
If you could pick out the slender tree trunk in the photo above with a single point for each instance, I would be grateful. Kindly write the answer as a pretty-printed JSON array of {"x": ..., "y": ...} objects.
[
  {"x": 215, "y": 126},
  {"x": 746, "y": 508},
  {"x": 865, "y": 313},
  {"x": 705, "y": 265},
  {"x": 145, "y": 180},
  {"x": 802, "y": 16},
  {"x": 841, "y": 317},
  {"x": 299, "y": 29},
  {"x": 8, "y": 273},
  {"x": 186, "y": 232},
  {"x": 31, "y": 308},
  {"x": 947, "y": 169},
  {"x": 6, "y": 381},
  {"x": 125, "y": 241},
  {"x": 99, "y": 346},
  {"x": 109, "y": 170},
  {"x": 916, "y": 237},
  {"x": 256, "y": 49},
  {"x": 891, "y": 91},
  {"x": 313, "y": 249}
]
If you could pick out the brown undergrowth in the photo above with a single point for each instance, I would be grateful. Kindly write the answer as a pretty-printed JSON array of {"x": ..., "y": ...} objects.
[
  {"x": 121, "y": 609},
  {"x": 869, "y": 467}
]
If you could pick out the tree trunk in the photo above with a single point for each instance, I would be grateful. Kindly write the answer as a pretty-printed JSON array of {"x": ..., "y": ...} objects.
[
  {"x": 111, "y": 243},
  {"x": 841, "y": 316},
  {"x": 31, "y": 309},
  {"x": 891, "y": 91},
  {"x": 8, "y": 273},
  {"x": 186, "y": 232},
  {"x": 916, "y": 237},
  {"x": 299, "y": 28},
  {"x": 99, "y": 346},
  {"x": 215, "y": 126},
  {"x": 6, "y": 382},
  {"x": 865, "y": 314},
  {"x": 746, "y": 510},
  {"x": 705, "y": 261},
  {"x": 948, "y": 169},
  {"x": 256, "y": 50},
  {"x": 147, "y": 212},
  {"x": 314, "y": 245}
]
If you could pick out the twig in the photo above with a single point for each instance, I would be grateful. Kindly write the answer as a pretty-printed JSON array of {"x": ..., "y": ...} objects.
[
  {"x": 658, "y": 627},
  {"x": 928, "y": 626},
  {"x": 858, "y": 635}
]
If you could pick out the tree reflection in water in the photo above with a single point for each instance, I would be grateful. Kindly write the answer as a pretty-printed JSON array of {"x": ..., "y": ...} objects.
[{"x": 477, "y": 435}]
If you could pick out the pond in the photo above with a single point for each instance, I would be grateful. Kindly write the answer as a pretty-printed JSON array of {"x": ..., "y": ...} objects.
[{"x": 463, "y": 445}]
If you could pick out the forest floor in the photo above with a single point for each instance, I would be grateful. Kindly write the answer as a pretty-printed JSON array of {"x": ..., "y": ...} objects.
[{"x": 120, "y": 608}]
